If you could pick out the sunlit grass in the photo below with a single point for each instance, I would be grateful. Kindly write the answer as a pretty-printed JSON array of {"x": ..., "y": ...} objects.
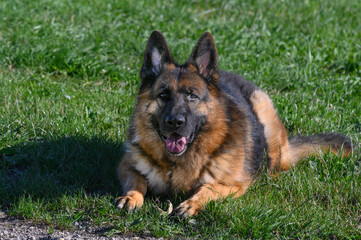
[{"x": 69, "y": 73}]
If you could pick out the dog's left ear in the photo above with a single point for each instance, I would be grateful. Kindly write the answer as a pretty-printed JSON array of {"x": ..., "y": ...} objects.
[
  {"x": 205, "y": 56},
  {"x": 155, "y": 56}
]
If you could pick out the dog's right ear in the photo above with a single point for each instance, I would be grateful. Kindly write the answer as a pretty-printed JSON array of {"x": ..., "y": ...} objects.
[{"x": 155, "y": 56}]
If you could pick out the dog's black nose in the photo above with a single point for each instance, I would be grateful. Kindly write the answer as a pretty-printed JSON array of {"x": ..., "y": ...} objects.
[{"x": 175, "y": 121}]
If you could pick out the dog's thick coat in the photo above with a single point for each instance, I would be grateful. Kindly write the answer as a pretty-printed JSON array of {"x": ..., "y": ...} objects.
[{"x": 204, "y": 132}]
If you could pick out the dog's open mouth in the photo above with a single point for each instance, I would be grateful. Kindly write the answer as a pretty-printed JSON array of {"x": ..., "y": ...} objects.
[{"x": 175, "y": 144}]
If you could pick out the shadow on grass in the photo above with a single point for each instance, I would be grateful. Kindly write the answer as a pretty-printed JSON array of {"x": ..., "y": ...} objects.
[{"x": 47, "y": 169}]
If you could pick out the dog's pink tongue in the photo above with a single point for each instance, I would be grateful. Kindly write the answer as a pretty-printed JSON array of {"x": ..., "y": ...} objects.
[{"x": 175, "y": 144}]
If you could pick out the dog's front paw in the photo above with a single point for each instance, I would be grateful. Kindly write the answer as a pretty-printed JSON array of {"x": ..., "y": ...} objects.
[
  {"x": 188, "y": 208},
  {"x": 129, "y": 202}
]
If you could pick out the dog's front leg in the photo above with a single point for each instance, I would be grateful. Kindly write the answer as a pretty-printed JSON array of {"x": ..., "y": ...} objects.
[
  {"x": 134, "y": 188},
  {"x": 206, "y": 193}
]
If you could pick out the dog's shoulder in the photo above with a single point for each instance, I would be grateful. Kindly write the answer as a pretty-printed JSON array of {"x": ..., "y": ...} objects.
[{"x": 241, "y": 92}]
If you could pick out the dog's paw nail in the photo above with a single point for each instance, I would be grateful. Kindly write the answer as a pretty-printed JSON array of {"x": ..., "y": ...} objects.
[
  {"x": 187, "y": 209},
  {"x": 129, "y": 203}
]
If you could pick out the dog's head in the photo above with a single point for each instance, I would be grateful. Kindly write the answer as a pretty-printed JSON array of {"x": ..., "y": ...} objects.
[{"x": 178, "y": 95}]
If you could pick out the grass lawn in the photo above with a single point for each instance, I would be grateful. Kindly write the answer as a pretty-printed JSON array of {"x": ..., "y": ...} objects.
[{"x": 69, "y": 74}]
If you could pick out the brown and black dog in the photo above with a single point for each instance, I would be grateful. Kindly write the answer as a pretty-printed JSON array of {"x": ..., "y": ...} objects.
[{"x": 204, "y": 132}]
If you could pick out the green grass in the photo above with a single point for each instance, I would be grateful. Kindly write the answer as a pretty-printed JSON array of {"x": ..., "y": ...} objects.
[{"x": 69, "y": 73}]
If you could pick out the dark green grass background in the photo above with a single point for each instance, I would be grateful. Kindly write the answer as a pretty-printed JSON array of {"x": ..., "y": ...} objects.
[{"x": 68, "y": 81}]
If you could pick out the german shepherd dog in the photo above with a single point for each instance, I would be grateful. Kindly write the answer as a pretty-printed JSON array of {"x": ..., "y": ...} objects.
[{"x": 204, "y": 132}]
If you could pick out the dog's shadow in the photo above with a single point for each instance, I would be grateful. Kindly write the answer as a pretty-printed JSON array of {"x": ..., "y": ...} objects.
[{"x": 47, "y": 169}]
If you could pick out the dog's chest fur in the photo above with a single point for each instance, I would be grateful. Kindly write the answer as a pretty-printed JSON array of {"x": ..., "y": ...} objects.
[{"x": 176, "y": 178}]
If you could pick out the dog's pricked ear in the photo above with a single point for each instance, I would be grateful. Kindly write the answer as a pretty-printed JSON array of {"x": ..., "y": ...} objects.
[
  {"x": 155, "y": 56},
  {"x": 205, "y": 56}
]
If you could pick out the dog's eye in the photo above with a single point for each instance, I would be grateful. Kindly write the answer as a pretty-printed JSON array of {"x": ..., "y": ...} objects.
[
  {"x": 164, "y": 95},
  {"x": 193, "y": 97}
]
